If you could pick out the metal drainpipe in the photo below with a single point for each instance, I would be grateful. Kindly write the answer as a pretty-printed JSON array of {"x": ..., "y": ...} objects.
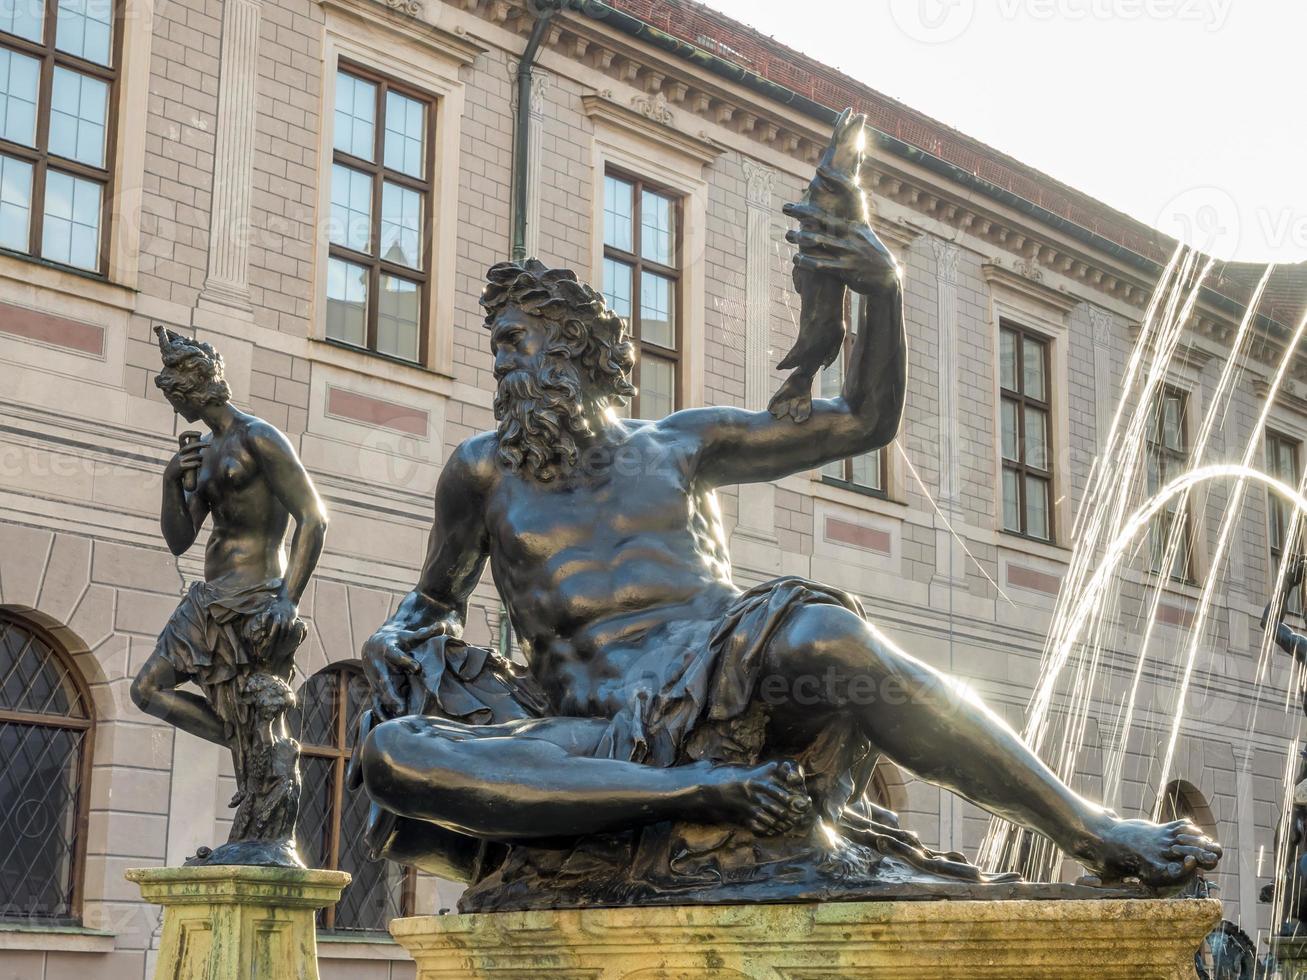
[{"x": 544, "y": 11}]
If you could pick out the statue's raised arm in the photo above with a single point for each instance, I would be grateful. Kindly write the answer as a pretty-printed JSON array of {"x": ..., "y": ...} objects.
[{"x": 838, "y": 251}]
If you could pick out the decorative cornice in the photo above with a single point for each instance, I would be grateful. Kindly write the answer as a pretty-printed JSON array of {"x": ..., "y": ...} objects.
[
  {"x": 951, "y": 210},
  {"x": 602, "y": 109},
  {"x": 1022, "y": 284},
  {"x": 400, "y": 17}
]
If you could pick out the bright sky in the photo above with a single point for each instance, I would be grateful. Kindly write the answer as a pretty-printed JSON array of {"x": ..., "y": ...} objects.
[{"x": 1186, "y": 114}]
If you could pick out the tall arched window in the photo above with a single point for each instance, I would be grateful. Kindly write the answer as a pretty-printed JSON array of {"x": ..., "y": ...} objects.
[
  {"x": 46, "y": 726},
  {"x": 332, "y": 819}
]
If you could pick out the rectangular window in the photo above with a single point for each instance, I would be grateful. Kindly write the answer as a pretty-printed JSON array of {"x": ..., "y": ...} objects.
[
  {"x": 1282, "y": 463},
  {"x": 58, "y": 69},
  {"x": 1025, "y": 423},
  {"x": 866, "y": 472},
  {"x": 1171, "y": 531},
  {"x": 642, "y": 283},
  {"x": 378, "y": 270}
]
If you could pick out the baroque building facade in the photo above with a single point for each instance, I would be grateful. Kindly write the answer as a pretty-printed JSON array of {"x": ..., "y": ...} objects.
[{"x": 317, "y": 188}]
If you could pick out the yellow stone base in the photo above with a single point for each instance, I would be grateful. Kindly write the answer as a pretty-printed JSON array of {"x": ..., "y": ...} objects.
[
  {"x": 232, "y": 922},
  {"x": 1017, "y": 940}
]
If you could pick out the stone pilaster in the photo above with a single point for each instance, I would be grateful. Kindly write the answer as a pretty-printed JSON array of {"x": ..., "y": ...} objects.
[
  {"x": 950, "y": 559},
  {"x": 227, "y": 283},
  {"x": 1100, "y": 330},
  {"x": 755, "y": 534}
]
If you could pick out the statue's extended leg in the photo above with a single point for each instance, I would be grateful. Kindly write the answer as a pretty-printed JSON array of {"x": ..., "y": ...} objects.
[
  {"x": 534, "y": 780},
  {"x": 825, "y": 656},
  {"x": 155, "y": 692}
]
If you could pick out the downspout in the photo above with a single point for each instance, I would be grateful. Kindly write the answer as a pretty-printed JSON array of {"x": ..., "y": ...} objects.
[{"x": 544, "y": 12}]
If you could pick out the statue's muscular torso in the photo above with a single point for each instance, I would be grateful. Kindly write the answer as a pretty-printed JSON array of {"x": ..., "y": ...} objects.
[
  {"x": 249, "y": 522},
  {"x": 597, "y": 564}
]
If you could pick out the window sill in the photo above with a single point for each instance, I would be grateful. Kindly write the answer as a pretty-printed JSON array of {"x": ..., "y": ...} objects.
[
  {"x": 1008, "y": 541},
  {"x": 62, "y": 939},
  {"x": 359, "y": 946},
  {"x": 370, "y": 363},
  {"x": 41, "y": 274},
  {"x": 849, "y": 496}
]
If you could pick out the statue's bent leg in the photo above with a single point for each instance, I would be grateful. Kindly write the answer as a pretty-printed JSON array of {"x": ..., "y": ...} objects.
[
  {"x": 827, "y": 656},
  {"x": 155, "y": 692},
  {"x": 532, "y": 779}
]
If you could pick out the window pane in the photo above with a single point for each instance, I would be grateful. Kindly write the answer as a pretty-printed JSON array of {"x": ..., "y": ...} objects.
[
  {"x": 356, "y": 116},
  {"x": 405, "y": 134},
  {"x": 77, "y": 117},
  {"x": 1009, "y": 426},
  {"x": 1011, "y": 501},
  {"x": 1036, "y": 438},
  {"x": 71, "y": 231},
  {"x": 347, "y": 302},
  {"x": 866, "y": 471},
  {"x": 38, "y": 805},
  {"x": 15, "y": 203},
  {"x": 657, "y": 387},
  {"x": 1037, "y": 507},
  {"x": 398, "y": 317},
  {"x": 401, "y": 225},
  {"x": 658, "y": 228},
  {"x": 26, "y": 18},
  {"x": 351, "y": 208},
  {"x": 834, "y": 470},
  {"x": 617, "y": 287},
  {"x": 1172, "y": 412},
  {"x": 19, "y": 79},
  {"x": 1032, "y": 368},
  {"x": 83, "y": 29},
  {"x": 832, "y": 377},
  {"x": 619, "y": 208},
  {"x": 658, "y": 310},
  {"x": 1007, "y": 359}
]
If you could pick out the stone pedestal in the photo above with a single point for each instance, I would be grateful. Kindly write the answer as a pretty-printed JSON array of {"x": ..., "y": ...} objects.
[
  {"x": 1290, "y": 956},
  {"x": 1098, "y": 939},
  {"x": 238, "y": 923}
]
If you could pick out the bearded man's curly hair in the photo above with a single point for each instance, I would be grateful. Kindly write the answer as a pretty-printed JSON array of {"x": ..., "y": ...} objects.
[
  {"x": 580, "y": 324},
  {"x": 194, "y": 369}
]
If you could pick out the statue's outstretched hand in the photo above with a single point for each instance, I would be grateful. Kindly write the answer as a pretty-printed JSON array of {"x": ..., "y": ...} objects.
[
  {"x": 851, "y": 251},
  {"x": 388, "y": 666}
]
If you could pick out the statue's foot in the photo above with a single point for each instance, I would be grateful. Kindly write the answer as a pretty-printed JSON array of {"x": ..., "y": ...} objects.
[
  {"x": 1161, "y": 856},
  {"x": 793, "y": 397},
  {"x": 769, "y": 799}
]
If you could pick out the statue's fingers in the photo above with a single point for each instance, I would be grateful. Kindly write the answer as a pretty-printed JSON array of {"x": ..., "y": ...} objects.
[
  {"x": 402, "y": 661},
  {"x": 816, "y": 241},
  {"x": 386, "y": 702}
]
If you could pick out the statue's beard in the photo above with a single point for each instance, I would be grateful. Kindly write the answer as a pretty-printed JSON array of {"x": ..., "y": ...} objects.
[{"x": 540, "y": 411}]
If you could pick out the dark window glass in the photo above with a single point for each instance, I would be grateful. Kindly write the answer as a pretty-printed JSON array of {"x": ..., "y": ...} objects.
[
  {"x": 45, "y": 730},
  {"x": 1025, "y": 433},
  {"x": 58, "y": 72},
  {"x": 332, "y": 819},
  {"x": 642, "y": 283},
  {"x": 1171, "y": 530},
  {"x": 865, "y": 472}
]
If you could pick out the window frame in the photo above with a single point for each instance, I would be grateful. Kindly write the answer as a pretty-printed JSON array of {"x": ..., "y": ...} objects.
[
  {"x": 846, "y": 464},
  {"x": 1277, "y": 523},
  {"x": 379, "y": 173},
  {"x": 1021, "y": 467},
  {"x": 40, "y": 157},
  {"x": 339, "y": 756},
  {"x": 85, "y": 764},
  {"x": 1154, "y": 440},
  {"x": 638, "y": 263}
]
